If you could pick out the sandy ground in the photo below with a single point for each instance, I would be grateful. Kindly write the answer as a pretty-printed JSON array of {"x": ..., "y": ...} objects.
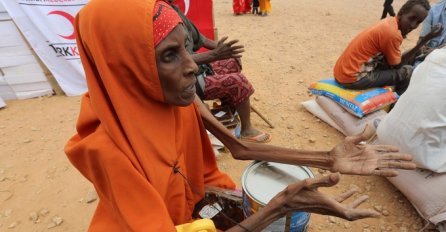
[{"x": 296, "y": 45}]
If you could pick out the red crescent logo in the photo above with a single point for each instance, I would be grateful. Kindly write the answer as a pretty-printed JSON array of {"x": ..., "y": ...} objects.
[
  {"x": 184, "y": 5},
  {"x": 69, "y": 18}
]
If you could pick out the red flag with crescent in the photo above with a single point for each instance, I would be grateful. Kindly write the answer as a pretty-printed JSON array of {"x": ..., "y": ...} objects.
[{"x": 200, "y": 13}]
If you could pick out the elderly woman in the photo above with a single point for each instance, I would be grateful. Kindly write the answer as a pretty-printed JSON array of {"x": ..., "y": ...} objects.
[
  {"x": 142, "y": 143},
  {"x": 221, "y": 77}
]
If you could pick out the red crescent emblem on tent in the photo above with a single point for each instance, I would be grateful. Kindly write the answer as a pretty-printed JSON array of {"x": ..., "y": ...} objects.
[
  {"x": 184, "y": 5},
  {"x": 69, "y": 18}
]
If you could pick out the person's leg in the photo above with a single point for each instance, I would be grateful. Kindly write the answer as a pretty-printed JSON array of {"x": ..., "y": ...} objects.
[
  {"x": 226, "y": 66},
  {"x": 234, "y": 89},
  {"x": 236, "y": 7},
  {"x": 384, "y": 14},
  {"x": 387, "y": 8},
  {"x": 248, "y": 6},
  {"x": 391, "y": 11},
  {"x": 402, "y": 83},
  {"x": 244, "y": 111},
  {"x": 268, "y": 6},
  {"x": 399, "y": 78},
  {"x": 262, "y": 6}
]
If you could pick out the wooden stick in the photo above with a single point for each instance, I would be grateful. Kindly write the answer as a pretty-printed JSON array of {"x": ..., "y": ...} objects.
[{"x": 261, "y": 116}]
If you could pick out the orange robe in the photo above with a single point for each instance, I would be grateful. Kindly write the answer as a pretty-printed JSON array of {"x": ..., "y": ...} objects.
[
  {"x": 265, "y": 6},
  {"x": 128, "y": 140}
]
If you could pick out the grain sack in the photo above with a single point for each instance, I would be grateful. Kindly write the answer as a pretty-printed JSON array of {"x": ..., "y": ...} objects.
[
  {"x": 348, "y": 123},
  {"x": 316, "y": 110},
  {"x": 417, "y": 123},
  {"x": 426, "y": 191}
]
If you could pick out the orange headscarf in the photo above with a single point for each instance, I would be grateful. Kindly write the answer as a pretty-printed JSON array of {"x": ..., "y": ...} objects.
[{"x": 128, "y": 140}]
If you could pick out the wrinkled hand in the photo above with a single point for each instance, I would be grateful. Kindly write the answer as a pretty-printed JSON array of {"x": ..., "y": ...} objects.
[
  {"x": 226, "y": 50},
  {"x": 435, "y": 31},
  {"x": 304, "y": 196},
  {"x": 353, "y": 157}
]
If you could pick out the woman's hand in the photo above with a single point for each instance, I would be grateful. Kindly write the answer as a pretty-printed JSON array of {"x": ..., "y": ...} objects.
[
  {"x": 352, "y": 156},
  {"x": 226, "y": 50},
  {"x": 304, "y": 196}
]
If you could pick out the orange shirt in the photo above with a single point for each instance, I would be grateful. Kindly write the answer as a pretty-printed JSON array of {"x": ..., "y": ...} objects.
[
  {"x": 383, "y": 38},
  {"x": 128, "y": 140}
]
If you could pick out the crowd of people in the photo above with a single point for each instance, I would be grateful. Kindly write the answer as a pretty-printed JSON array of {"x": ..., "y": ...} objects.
[
  {"x": 150, "y": 167},
  {"x": 259, "y": 7}
]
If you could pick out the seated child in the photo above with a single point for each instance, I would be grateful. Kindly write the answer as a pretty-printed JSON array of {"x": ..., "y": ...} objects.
[{"x": 373, "y": 58}]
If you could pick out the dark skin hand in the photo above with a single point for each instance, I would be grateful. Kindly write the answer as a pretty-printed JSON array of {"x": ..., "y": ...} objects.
[
  {"x": 304, "y": 196},
  {"x": 351, "y": 156},
  {"x": 436, "y": 31},
  {"x": 220, "y": 50},
  {"x": 211, "y": 44},
  {"x": 355, "y": 157},
  {"x": 410, "y": 55},
  {"x": 226, "y": 50}
]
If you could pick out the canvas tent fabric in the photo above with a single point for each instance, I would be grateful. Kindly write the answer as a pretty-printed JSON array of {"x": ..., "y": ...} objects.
[
  {"x": 2, "y": 103},
  {"x": 21, "y": 75},
  {"x": 48, "y": 27}
]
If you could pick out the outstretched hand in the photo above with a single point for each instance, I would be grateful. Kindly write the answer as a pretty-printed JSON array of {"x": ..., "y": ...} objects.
[
  {"x": 352, "y": 156},
  {"x": 435, "y": 31},
  {"x": 226, "y": 50},
  {"x": 304, "y": 196}
]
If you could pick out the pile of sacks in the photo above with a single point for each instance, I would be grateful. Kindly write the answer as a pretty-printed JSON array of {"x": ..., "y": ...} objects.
[{"x": 416, "y": 124}]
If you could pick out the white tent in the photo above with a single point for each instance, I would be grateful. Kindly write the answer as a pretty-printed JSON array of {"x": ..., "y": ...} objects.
[
  {"x": 49, "y": 56},
  {"x": 21, "y": 73}
]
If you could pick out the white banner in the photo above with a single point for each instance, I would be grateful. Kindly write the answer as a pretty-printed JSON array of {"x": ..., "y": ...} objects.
[{"x": 48, "y": 25}]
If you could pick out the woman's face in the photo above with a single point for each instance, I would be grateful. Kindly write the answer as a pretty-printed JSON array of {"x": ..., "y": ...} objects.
[{"x": 176, "y": 69}]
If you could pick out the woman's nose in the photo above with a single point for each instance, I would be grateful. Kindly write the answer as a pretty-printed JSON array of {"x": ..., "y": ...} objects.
[{"x": 191, "y": 66}]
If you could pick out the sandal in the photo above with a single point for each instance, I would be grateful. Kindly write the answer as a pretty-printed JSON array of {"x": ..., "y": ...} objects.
[{"x": 260, "y": 138}]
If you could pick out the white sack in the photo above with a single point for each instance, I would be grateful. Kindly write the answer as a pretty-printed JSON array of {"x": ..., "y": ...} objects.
[
  {"x": 417, "y": 123},
  {"x": 2, "y": 103},
  {"x": 316, "y": 110}
]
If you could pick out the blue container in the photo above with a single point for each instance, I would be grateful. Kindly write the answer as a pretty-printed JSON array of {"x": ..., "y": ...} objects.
[{"x": 261, "y": 181}]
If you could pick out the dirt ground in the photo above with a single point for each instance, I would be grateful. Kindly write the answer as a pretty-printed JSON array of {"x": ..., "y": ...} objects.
[{"x": 298, "y": 43}]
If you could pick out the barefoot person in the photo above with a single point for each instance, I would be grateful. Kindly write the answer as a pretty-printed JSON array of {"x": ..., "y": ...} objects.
[
  {"x": 142, "y": 143},
  {"x": 220, "y": 77}
]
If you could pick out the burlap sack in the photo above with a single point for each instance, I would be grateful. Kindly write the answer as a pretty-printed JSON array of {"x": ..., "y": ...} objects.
[
  {"x": 426, "y": 191},
  {"x": 348, "y": 123}
]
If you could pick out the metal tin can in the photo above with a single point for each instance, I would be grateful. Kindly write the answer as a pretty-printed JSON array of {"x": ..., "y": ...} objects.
[{"x": 261, "y": 181}]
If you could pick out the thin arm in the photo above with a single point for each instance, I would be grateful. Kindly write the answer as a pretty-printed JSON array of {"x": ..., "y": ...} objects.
[{"x": 254, "y": 151}]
